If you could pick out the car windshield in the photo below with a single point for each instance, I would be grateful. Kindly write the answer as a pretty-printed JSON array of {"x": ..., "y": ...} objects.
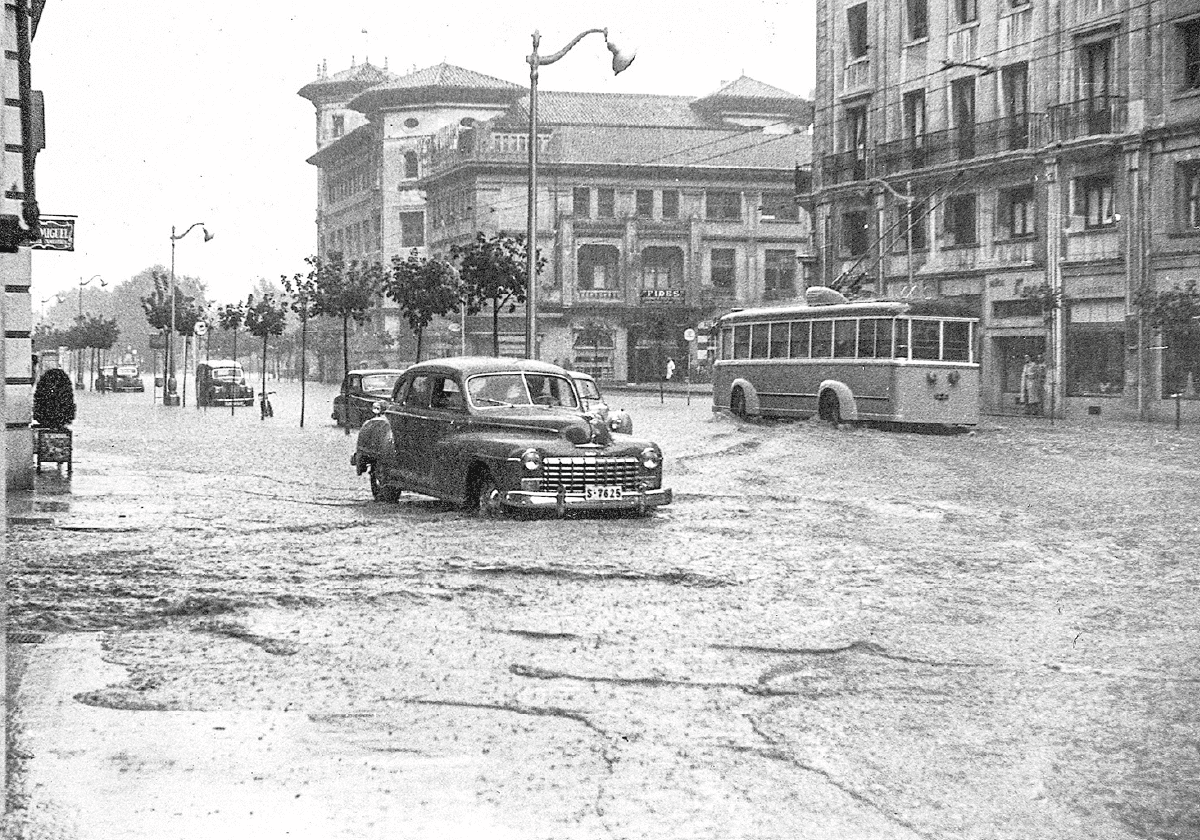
[
  {"x": 381, "y": 382},
  {"x": 228, "y": 373},
  {"x": 587, "y": 389},
  {"x": 506, "y": 389},
  {"x": 127, "y": 370}
]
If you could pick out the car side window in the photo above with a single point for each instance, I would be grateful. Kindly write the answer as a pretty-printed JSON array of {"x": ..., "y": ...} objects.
[
  {"x": 417, "y": 395},
  {"x": 446, "y": 394},
  {"x": 352, "y": 384}
]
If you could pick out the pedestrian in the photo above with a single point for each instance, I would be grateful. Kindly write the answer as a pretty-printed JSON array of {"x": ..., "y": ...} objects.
[
  {"x": 670, "y": 368},
  {"x": 1031, "y": 388}
]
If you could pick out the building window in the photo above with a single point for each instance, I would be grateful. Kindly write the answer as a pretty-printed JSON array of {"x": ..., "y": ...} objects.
[
  {"x": 962, "y": 100},
  {"x": 918, "y": 20},
  {"x": 411, "y": 166},
  {"x": 1094, "y": 197},
  {"x": 723, "y": 271},
  {"x": 723, "y": 206},
  {"x": 856, "y": 30},
  {"x": 581, "y": 202},
  {"x": 1017, "y": 212},
  {"x": 966, "y": 11},
  {"x": 597, "y": 267},
  {"x": 1191, "y": 196},
  {"x": 1014, "y": 86},
  {"x": 339, "y": 125},
  {"x": 662, "y": 268},
  {"x": 645, "y": 204},
  {"x": 960, "y": 220},
  {"x": 670, "y": 204},
  {"x": 780, "y": 273},
  {"x": 854, "y": 233},
  {"x": 1190, "y": 34},
  {"x": 779, "y": 207},
  {"x": 914, "y": 128},
  {"x": 1095, "y": 359},
  {"x": 917, "y": 220},
  {"x": 606, "y": 203},
  {"x": 855, "y": 141},
  {"x": 412, "y": 229}
]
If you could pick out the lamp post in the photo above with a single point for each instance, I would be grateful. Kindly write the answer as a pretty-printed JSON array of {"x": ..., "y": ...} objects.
[
  {"x": 79, "y": 363},
  {"x": 170, "y": 397},
  {"x": 621, "y": 60}
]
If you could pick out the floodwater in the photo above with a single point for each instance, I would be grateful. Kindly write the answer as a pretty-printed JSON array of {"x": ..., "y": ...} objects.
[{"x": 846, "y": 633}]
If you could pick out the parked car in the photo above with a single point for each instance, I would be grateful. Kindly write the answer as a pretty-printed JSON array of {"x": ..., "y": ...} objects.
[
  {"x": 120, "y": 378},
  {"x": 589, "y": 394},
  {"x": 493, "y": 433},
  {"x": 222, "y": 382},
  {"x": 360, "y": 390}
]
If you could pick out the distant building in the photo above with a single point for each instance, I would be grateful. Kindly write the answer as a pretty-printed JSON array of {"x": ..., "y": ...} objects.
[
  {"x": 656, "y": 213},
  {"x": 1013, "y": 154}
]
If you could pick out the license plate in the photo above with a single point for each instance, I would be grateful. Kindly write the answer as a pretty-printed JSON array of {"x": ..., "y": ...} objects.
[{"x": 597, "y": 492}]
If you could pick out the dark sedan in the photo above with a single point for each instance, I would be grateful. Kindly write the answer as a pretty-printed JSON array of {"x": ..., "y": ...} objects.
[
  {"x": 503, "y": 433},
  {"x": 361, "y": 389}
]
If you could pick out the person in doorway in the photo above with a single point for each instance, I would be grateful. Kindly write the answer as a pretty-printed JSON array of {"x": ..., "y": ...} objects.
[{"x": 1031, "y": 391}]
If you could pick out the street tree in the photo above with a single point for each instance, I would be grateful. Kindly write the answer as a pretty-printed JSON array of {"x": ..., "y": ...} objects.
[
  {"x": 424, "y": 289},
  {"x": 494, "y": 272},
  {"x": 302, "y": 291},
  {"x": 346, "y": 292},
  {"x": 1176, "y": 312},
  {"x": 265, "y": 317},
  {"x": 98, "y": 334}
]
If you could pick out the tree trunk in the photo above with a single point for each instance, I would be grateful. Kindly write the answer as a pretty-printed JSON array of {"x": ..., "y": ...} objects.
[
  {"x": 420, "y": 334},
  {"x": 263, "y": 393},
  {"x": 303, "y": 364},
  {"x": 495, "y": 327},
  {"x": 345, "y": 369},
  {"x": 233, "y": 402}
]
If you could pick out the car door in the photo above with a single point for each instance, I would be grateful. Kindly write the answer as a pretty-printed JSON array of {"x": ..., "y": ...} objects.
[
  {"x": 437, "y": 412},
  {"x": 448, "y": 410},
  {"x": 410, "y": 425}
]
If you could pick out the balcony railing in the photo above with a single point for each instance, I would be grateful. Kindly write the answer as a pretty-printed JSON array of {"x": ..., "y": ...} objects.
[
  {"x": 843, "y": 167},
  {"x": 936, "y": 148},
  {"x": 1088, "y": 118},
  {"x": 491, "y": 148}
]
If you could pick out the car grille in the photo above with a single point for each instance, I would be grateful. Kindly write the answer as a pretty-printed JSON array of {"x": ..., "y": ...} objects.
[{"x": 574, "y": 474}]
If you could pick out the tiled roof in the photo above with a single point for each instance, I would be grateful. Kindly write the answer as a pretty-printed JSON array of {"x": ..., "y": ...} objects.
[
  {"x": 349, "y": 81},
  {"x": 440, "y": 83},
  {"x": 643, "y": 146},
  {"x": 747, "y": 88},
  {"x": 645, "y": 110}
]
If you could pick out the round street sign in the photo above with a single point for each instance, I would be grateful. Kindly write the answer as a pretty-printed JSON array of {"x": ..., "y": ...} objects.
[
  {"x": 201, "y": 328},
  {"x": 689, "y": 334}
]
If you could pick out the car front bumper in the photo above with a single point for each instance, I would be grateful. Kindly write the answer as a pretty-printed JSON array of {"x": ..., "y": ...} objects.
[{"x": 544, "y": 500}]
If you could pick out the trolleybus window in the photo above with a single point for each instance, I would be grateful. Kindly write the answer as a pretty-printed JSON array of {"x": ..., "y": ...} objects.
[
  {"x": 799, "y": 343},
  {"x": 822, "y": 339},
  {"x": 926, "y": 340},
  {"x": 741, "y": 342},
  {"x": 875, "y": 338},
  {"x": 758, "y": 341},
  {"x": 956, "y": 341},
  {"x": 779, "y": 341},
  {"x": 844, "y": 332}
]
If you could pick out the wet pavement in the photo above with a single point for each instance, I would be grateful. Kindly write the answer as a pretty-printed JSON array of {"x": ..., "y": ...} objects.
[{"x": 847, "y": 633}]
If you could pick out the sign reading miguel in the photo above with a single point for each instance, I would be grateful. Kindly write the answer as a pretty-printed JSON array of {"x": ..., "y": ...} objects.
[
  {"x": 58, "y": 234},
  {"x": 663, "y": 295}
]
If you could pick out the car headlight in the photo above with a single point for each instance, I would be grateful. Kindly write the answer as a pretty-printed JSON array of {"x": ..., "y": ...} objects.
[
  {"x": 651, "y": 458},
  {"x": 377, "y": 407},
  {"x": 531, "y": 460}
]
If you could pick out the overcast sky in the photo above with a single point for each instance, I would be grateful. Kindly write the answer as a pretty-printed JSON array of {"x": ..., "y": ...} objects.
[{"x": 168, "y": 113}]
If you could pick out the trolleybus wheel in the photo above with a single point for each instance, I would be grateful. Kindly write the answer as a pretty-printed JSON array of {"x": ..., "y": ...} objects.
[
  {"x": 737, "y": 402},
  {"x": 829, "y": 408}
]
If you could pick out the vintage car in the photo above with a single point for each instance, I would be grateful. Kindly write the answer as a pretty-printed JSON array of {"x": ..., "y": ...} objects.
[
  {"x": 222, "y": 382},
  {"x": 120, "y": 378},
  {"x": 589, "y": 395},
  {"x": 361, "y": 389},
  {"x": 493, "y": 433}
]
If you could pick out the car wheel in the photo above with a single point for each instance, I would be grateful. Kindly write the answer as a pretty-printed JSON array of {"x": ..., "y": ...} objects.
[
  {"x": 737, "y": 402},
  {"x": 487, "y": 495},
  {"x": 829, "y": 408},
  {"x": 381, "y": 492}
]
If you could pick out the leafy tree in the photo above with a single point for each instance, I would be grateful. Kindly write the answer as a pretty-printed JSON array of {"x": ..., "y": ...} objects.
[
  {"x": 265, "y": 317},
  {"x": 424, "y": 289},
  {"x": 302, "y": 289},
  {"x": 494, "y": 273},
  {"x": 346, "y": 291},
  {"x": 54, "y": 400},
  {"x": 1173, "y": 309}
]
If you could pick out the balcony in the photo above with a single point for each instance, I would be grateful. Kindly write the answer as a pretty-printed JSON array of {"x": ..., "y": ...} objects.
[
  {"x": 844, "y": 167},
  {"x": 474, "y": 147},
  {"x": 953, "y": 145},
  {"x": 856, "y": 76},
  {"x": 1088, "y": 118}
]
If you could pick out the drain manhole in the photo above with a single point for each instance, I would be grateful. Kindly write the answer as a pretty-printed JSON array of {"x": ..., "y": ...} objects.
[{"x": 26, "y": 638}]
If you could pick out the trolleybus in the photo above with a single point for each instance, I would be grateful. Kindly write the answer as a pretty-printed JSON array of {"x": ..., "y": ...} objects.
[{"x": 899, "y": 361}]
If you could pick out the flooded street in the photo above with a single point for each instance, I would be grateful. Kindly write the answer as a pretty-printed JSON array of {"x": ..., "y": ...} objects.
[{"x": 843, "y": 633}]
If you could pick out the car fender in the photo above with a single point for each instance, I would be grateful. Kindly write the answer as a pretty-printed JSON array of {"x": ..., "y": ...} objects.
[
  {"x": 375, "y": 442},
  {"x": 847, "y": 405},
  {"x": 752, "y": 404}
]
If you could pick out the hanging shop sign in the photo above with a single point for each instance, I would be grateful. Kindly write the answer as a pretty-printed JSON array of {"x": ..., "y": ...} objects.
[{"x": 58, "y": 234}]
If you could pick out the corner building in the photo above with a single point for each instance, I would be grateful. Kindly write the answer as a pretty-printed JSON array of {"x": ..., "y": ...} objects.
[
  {"x": 656, "y": 213},
  {"x": 1014, "y": 153}
]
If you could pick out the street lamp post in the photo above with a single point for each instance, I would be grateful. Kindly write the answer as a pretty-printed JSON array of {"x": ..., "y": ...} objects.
[
  {"x": 621, "y": 60},
  {"x": 170, "y": 397},
  {"x": 79, "y": 363}
]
